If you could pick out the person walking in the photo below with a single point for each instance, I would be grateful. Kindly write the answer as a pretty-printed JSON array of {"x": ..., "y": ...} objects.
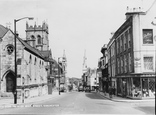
[
  {"x": 110, "y": 92},
  {"x": 113, "y": 90}
]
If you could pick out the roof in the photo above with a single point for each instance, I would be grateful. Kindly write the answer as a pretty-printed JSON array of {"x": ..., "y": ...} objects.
[
  {"x": 3, "y": 31},
  {"x": 30, "y": 48},
  {"x": 46, "y": 55}
]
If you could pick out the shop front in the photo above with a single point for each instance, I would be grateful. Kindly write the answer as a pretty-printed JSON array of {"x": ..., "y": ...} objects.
[{"x": 137, "y": 86}]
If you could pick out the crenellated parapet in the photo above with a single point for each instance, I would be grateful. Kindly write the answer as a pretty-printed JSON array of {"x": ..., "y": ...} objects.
[{"x": 44, "y": 27}]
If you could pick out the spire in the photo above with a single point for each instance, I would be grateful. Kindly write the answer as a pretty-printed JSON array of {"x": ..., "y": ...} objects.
[
  {"x": 64, "y": 56},
  {"x": 64, "y": 60}
]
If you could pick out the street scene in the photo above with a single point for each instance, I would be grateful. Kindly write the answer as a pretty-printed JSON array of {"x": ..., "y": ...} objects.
[{"x": 77, "y": 57}]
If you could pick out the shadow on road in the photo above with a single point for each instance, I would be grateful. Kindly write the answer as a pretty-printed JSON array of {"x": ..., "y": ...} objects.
[
  {"x": 147, "y": 110},
  {"x": 94, "y": 95}
]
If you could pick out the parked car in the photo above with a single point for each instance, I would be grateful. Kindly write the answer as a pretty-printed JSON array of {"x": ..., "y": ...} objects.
[
  {"x": 80, "y": 88},
  {"x": 87, "y": 89},
  {"x": 62, "y": 88}
]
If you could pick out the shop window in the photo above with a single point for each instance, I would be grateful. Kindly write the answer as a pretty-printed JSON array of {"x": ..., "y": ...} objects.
[
  {"x": 119, "y": 86},
  {"x": 136, "y": 91},
  {"x": 129, "y": 87},
  {"x": 148, "y": 87},
  {"x": 152, "y": 84},
  {"x": 147, "y": 36},
  {"x": 148, "y": 63}
]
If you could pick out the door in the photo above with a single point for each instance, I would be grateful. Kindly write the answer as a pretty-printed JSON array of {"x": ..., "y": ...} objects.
[{"x": 10, "y": 82}]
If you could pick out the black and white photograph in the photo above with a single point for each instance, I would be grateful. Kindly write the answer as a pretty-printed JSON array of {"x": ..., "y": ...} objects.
[{"x": 77, "y": 57}]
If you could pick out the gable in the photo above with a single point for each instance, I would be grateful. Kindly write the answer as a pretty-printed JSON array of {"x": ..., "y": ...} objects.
[{"x": 3, "y": 31}]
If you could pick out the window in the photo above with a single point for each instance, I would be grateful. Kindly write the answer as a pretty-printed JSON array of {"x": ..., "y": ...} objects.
[
  {"x": 39, "y": 39},
  {"x": 32, "y": 37},
  {"x": 129, "y": 39},
  {"x": 125, "y": 63},
  {"x": 118, "y": 65},
  {"x": 147, "y": 36},
  {"x": 33, "y": 40},
  {"x": 126, "y": 39},
  {"x": 129, "y": 56},
  {"x": 30, "y": 67},
  {"x": 121, "y": 48},
  {"x": 121, "y": 64},
  {"x": 10, "y": 49},
  {"x": 148, "y": 63},
  {"x": 117, "y": 47}
]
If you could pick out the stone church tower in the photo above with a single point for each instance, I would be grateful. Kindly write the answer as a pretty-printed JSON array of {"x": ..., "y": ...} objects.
[{"x": 37, "y": 36}]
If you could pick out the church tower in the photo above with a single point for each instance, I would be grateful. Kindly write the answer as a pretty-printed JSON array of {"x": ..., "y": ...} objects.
[{"x": 37, "y": 36}]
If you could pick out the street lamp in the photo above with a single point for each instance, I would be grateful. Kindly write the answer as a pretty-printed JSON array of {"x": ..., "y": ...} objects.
[{"x": 15, "y": 90}]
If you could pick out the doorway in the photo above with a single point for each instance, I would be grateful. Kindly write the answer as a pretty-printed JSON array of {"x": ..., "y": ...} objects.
[{"x": 10, "y": 82}]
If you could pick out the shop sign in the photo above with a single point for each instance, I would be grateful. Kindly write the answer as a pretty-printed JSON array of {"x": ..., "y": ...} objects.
[{"x": 137, "y": 62}]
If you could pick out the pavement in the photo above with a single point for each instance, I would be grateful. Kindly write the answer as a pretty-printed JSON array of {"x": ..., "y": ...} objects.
[
  {"x": 7, "y": 103},
  {"x": 121, "y": 99}
]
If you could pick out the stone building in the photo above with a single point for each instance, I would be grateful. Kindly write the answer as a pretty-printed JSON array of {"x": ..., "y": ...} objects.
[{"x": 34, "y": 60}]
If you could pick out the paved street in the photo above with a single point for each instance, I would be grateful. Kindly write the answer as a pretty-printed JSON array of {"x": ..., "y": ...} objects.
[{"x": 82, "y": 103}]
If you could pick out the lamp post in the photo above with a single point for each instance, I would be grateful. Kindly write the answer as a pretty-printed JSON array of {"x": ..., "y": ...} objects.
[{"x": 15, "y": 90}]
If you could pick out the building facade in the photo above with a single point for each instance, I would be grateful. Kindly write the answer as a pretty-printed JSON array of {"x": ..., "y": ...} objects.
[
  {"x": 103, "y": 67},
  {"x": 33, "y": 65},
  {"x": 133, "y": 61}
]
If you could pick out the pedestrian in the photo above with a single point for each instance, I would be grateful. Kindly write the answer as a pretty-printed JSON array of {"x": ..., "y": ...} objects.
[
  {"x": 114, "y": 90},
  {"x": 110, "y": 91}
]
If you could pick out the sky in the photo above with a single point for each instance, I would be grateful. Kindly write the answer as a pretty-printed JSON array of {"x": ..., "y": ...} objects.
[{"x": 75, "y": 26}]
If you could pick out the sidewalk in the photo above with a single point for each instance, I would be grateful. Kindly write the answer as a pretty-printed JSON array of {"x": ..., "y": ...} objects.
[
  {"x": 6, "y": 103},
  {"x": 120, "y": 99}
]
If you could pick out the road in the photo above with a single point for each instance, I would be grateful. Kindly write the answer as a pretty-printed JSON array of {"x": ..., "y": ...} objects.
[{"x": 82, "y": 103}]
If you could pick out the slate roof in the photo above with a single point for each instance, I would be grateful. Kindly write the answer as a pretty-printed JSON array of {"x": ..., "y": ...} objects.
[
  {"x": 3, "y": 31},
  {"x": 31, "y": 49}
]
